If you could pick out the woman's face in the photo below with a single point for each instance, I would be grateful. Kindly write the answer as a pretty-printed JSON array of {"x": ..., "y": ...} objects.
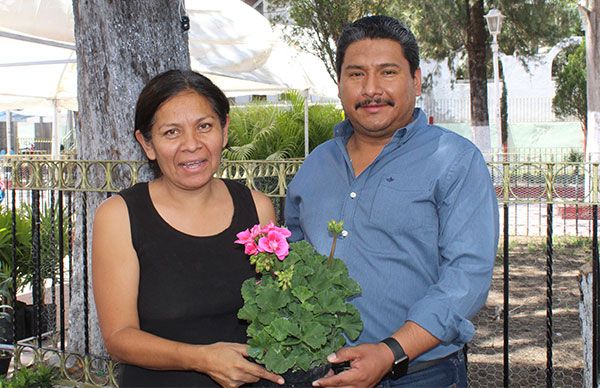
[{"x": 187, "y": 140}]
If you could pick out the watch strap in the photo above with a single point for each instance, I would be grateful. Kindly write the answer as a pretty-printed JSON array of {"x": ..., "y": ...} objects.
[{"x": 400, "y": 367}]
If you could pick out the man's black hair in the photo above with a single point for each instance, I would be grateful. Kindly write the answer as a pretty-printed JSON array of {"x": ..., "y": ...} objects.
[{"x": 378, "y": 27}]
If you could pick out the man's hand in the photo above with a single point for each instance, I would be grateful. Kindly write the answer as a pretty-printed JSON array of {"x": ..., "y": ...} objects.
[{"x": 369, "y": 363}]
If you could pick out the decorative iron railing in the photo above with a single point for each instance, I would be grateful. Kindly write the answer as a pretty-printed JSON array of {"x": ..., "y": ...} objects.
[
  {"x": 522, "y": 182},
  {"x": 554, "y": 199}
]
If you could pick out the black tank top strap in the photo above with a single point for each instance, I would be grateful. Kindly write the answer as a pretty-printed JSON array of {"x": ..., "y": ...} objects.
[
  {"x": 137, "y": 199},
  {"x": 242, "y": 196}
]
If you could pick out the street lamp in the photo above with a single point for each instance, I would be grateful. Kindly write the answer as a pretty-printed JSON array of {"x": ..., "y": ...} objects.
[{"x": 494, "y": 22}]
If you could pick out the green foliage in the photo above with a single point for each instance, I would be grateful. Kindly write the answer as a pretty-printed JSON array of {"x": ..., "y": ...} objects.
[
  {"x": 23, "y": 245},
  {"x": 575, "y": 156},
  {"x": 297, "y": 326},
  {"x": 268, "y": 132},
  {"x": 323, "y": 21},
  {"x": 458, "y": 30},
  {"x": 571, "y": 88},
  {"x": 527, "y": 25},
  {"x": 40, "y": 376}
]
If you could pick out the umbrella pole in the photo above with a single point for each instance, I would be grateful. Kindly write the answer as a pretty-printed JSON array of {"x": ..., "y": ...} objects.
[{"x": 306, "y": 140}]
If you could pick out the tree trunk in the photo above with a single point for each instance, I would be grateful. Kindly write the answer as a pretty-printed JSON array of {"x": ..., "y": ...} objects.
[
  {"x": 592, "y": 45},
  {"x": 476, "y": 50},
  {"x": 504, "y": 114},
  {"x": 586, "y": 302},
  {"x": 120, "y": 46}
]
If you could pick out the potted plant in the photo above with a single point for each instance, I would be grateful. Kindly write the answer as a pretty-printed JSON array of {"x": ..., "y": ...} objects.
[
  {"x": 297, "y": 306},
  {"x": 24, "y": 313},
  {"x": 49, "y": 265},
  {"x": 22, "y": 247}
]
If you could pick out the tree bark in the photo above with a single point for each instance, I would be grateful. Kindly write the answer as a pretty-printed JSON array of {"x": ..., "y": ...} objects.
[
  {"x": 592, "y": 42},
  {"x": 586, "y": 302},
  {"x": 120, "y": 46},
  {"x": 476, "y": 50}
]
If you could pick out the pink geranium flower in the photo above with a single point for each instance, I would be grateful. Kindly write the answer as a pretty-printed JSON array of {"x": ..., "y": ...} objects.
[
  {"x": 244, "y": 237},
  {"x": 274, "y": 242},
  {"x": 250, "y": 248},
  {"x": 267, "y": 239},
  {"x": 271, "y": 227},
  {"x": 249, "y": 236}
]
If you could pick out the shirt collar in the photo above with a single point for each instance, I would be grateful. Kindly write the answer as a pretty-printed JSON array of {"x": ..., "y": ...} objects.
[{"x": 345, "y": 129}]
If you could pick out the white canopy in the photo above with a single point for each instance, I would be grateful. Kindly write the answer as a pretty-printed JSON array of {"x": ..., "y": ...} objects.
[
  {"x": 37, "y": 75},
  {"x": 229, "y": 41}
]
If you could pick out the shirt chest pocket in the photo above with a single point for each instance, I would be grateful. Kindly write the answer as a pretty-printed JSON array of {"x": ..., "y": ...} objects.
[{"x": 398, "y": 207}]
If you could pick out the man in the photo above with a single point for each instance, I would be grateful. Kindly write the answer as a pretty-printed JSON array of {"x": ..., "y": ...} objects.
[{"x": 419, "y": 210}]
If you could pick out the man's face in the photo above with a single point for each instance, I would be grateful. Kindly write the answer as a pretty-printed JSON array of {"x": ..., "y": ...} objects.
[{"x": 376, "y": 87}]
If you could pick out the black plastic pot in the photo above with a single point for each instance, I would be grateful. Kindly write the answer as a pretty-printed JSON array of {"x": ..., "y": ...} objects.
[{"x": 298, "y": 379}]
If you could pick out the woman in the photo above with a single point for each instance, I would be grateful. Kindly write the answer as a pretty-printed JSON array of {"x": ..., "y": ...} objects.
[{"x": 166, "y": 272}]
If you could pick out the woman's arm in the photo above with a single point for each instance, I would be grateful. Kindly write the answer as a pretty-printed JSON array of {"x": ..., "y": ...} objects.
[
  {"x": 115, "y": 272},
  {"x": 264, "y": 208}
]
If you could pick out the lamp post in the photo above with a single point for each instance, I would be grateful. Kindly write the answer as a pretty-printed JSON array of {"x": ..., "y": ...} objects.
[{"x": 494, "y": 22}]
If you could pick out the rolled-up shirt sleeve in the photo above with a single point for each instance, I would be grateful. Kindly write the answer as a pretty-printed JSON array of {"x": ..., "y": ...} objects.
[
  {"x": 467, "y": 242},
  {"x": 292, "y": 214}
]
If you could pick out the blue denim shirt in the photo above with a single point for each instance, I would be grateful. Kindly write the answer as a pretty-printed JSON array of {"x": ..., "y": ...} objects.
[{"x": 420, "y": 228}]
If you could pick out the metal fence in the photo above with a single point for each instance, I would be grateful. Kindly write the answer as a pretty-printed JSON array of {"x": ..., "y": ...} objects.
[
  {"x": 528, "y": 334},
  {"x": 520, "y": 109}
]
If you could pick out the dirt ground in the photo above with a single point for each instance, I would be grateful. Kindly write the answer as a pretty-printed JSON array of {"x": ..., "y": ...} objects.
[{"x": 527, "y": 317}]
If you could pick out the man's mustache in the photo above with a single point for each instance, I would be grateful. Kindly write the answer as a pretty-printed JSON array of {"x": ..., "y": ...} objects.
[{"x": 374, "y": 101}]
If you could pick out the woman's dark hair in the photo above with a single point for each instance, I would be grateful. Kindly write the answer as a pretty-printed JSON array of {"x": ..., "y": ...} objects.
[
  {"x": 168, "y": 84},
  {"x": 378, "y": 27}
]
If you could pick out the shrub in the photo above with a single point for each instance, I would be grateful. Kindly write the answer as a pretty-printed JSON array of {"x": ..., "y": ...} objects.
[{"x": 269, "y": 132}]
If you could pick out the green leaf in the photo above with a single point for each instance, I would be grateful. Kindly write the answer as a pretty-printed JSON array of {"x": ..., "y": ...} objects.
[
  {"x": 249, "y": 312},
  {"x": 272, "y": 298},
  {"x": 249, "y": 289},
  {"x": 320, "y": 281},
  {"x": 314, "y": 335},
  {"x": 351, "y": 323},
  {"x": 279, "y": 328},
  {"x": 253, "y": 329},
  {"x": 330, "y": 301},
  {"x": 255, "y": 352},
  {"x": 301, "y": 313},
  {"x": 352, "y": 287},
  {"x": 266, "y": 317},
  {"x": 303, "y": 293},
  {"x": 302, "y": 359},
  {"x": 308, "y": 307},
  {"x": 327, "y": 320},
  {"x": 276, "y": 361}
]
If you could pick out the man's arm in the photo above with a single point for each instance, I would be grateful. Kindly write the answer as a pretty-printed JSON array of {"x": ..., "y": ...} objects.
[
  {"x": 467, "y": 243},
  {"x": 292, "y": 213},
  {"x": 468, "y": 220}
]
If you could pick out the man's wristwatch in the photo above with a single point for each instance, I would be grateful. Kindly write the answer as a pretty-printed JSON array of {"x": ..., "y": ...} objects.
[{"x": 401, "y": 360}]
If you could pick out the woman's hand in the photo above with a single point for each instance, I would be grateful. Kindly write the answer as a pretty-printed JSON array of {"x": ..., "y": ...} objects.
[{"x": 226, "y": 363}]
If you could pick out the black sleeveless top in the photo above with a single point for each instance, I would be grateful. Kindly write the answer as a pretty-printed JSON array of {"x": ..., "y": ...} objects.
[{"x": 189, "y": 287}]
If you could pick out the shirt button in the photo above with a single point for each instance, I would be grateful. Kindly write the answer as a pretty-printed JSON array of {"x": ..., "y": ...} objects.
[
  {"x": 353, "y": 195},
  {"x": 344, "y": 233}
]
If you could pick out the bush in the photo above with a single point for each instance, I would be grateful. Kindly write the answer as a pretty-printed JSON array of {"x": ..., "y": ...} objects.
[
  {"x": 39, "y": 376},
  {"x": 571, "y": 88},
  {"x": 23, "y": 245},
  {"x": 268, "y": 132}
]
